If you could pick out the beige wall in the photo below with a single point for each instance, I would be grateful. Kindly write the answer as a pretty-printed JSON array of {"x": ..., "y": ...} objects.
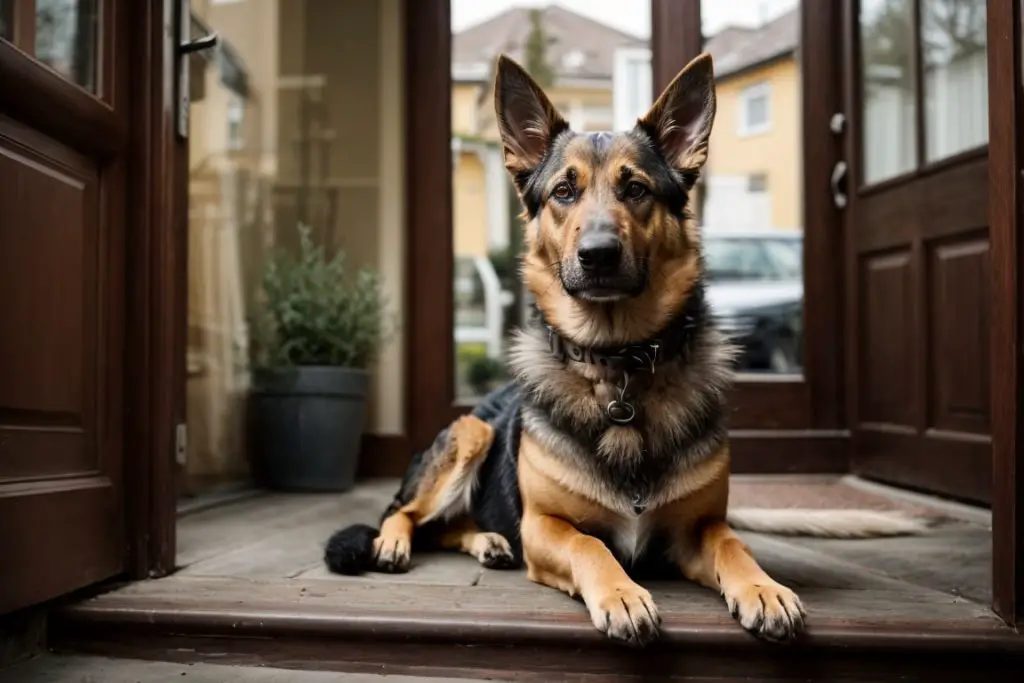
[
  {"x": 777, "y": 152},
  {"x": 464, "y": 108},
  {"x": 469, "y": 206}
]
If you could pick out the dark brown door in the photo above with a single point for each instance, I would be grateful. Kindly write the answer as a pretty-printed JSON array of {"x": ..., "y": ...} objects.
[
  {"x": 63, "y": 139},
  {"x": 917, "y": 243}
]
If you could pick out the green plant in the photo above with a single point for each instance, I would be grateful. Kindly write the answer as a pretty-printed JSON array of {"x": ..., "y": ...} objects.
[
  {"x": 481, "y": 373},
  {"x": 315, "y": 311}
]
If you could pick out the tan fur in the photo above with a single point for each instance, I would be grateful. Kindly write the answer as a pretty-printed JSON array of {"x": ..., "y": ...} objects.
[
  {"x": 443, "y": 492},
  {"x": 562, "y": 508},
  {"x": 486, "y": 547}
]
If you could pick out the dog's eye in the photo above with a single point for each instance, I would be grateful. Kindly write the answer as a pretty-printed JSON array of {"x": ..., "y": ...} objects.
[
  {"x": 636, "y": 191},
  {"x": 563, "y": 192}
]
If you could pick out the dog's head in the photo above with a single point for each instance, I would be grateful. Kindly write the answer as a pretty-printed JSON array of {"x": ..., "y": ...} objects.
[{"x": 611, "y": 251}]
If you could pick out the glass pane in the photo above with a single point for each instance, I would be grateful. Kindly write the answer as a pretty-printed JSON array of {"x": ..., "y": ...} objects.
[
  {"x": 955, "y": 76},
  {"x": 750, "y": 194},
  {"x": 888, "y": 119},
  {"x": 593, "y": 61},
  {"x": 66, "y": 38},
  {"x": 7, "y": 19},
  {"x": 293, "y": 122}
]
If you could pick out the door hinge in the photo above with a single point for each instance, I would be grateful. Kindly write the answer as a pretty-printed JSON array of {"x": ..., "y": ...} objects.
[{"x": 180, "y": 443}]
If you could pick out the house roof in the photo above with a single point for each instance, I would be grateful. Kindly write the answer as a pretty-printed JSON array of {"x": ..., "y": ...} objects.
[
  {"x": 736, "y": 48},
  {"x": 580, "y": 47}
]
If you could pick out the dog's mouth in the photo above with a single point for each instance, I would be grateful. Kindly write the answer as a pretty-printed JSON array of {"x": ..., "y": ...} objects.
[{"x": 605, "y": 288}]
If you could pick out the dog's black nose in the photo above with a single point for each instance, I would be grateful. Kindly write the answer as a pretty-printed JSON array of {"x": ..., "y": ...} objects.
[{"x": 599, "y": 251}]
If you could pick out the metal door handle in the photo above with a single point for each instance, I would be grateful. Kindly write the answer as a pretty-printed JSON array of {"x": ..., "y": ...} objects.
[
  {"x": 838, "y": 174},
  {"x": 199, "y": 44},
  {"x": 186, "y": 48}
]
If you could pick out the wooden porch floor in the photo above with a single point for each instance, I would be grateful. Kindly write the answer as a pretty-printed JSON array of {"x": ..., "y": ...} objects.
[
  {"x": 280, "y": 536},
  {"x": 252, "y": 570}
]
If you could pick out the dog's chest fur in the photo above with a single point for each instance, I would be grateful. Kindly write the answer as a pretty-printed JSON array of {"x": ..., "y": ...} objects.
[
  {"x": 680, "y": 420},
  {"x": 629, "y": 536}
]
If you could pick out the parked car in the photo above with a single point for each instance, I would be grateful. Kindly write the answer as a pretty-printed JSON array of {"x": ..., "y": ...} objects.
[{"x": 756, "y": 293}]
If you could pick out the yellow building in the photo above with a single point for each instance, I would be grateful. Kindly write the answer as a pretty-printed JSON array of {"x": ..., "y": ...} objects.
[{"x": 753, "y": 177}]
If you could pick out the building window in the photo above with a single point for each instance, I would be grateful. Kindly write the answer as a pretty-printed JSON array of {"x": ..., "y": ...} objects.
[
  {"x": 757, "y": 182},
  {"x": 574, "y": 60},
  {"x": 236, "y": 120},
  {"x": 755, "y": 109},
  {"x": 631, "y": 86}
]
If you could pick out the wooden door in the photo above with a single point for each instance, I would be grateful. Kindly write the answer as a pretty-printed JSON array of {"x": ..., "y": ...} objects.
[
  {"x": 63, "y": 142},
  {"x": 917, "y": 243}
]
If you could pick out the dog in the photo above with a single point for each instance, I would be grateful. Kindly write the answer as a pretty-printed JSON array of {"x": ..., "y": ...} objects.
[{"x": 606, "y": 458}]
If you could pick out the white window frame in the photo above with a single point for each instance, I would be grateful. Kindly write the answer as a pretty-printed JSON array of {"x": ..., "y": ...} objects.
[
  {"x": 762, "y": 89},
  {"x": 630, "y": 100}
]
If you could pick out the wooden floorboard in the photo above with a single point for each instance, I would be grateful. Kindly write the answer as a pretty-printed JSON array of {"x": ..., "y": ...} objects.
[
  {"x": 879, "y": 632},
  {"x": 282, "y": 536},
  {"x": 682, "y": 604},
  {"x": 73, "y": 669}
]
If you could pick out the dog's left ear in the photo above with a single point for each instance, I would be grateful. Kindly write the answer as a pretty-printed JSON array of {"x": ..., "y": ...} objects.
[
  {"x": 527, "y": 120},
  {"x": 680, "y": 121}
]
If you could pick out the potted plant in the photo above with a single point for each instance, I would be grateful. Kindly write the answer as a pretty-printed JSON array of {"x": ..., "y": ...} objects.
[{"x": 317, "y": 329}]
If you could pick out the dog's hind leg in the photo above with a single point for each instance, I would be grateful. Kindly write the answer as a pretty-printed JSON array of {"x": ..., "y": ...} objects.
[
  {"x": 443, "y": 493},
  {"x": 491, "y": 549}
]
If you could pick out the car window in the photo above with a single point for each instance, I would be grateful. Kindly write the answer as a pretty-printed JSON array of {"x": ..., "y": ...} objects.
[
  {"x": 787, "y": 257},
  {"x": 752, "y": 258},
  {"x": 737, "y": 259}
]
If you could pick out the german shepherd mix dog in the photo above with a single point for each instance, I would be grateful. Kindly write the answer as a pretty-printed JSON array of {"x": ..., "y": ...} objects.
[{"x": 607, "y": 456}]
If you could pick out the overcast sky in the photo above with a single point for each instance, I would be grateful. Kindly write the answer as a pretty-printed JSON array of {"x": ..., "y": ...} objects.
[{"x": 633, "y": 16}]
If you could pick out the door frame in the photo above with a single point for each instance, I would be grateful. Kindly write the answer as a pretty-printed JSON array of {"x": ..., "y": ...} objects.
[
  {"x": 779, "y": 424},
  {"x": 157, "y": 265},
  {"x": 1006, "y": 238}
]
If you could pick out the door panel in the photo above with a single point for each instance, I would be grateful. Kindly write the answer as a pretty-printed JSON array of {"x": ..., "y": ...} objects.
[
  {"x": 62, "y": 523},
  {"x": 917, "y": 244}
]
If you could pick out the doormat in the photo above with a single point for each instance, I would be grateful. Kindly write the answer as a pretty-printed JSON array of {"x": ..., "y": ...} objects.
[{"x": 818, "y": 495}]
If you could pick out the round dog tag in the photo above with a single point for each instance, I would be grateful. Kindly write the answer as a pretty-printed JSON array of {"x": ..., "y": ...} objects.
[{"x": 621, "y": 412}]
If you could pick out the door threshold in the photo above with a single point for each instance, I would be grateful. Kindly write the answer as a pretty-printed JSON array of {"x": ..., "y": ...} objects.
[{"x": 504, "y": 623}]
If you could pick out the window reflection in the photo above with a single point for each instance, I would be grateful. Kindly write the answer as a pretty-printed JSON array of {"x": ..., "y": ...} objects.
[
  {"x": 888, "y": 88},
  {"x": 292, "y": 121},
  {"x": 955, "y": 61},
  {"x": 7, "y": 19},
  {"x": 66, "y": 39}
]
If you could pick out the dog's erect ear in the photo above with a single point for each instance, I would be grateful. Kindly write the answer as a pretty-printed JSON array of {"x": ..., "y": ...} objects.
[
  {"x": 527, "y": 120},
  {"x": 680, "y": 121}
]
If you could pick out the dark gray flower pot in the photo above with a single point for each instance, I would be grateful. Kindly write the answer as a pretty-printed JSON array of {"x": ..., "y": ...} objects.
[{"x": 305, "y": 426}]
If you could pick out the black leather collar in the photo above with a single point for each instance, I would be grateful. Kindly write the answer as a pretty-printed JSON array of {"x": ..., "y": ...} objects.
[
  {"x": 632, "y": 357},
  {"x": 672, "y": 341}
]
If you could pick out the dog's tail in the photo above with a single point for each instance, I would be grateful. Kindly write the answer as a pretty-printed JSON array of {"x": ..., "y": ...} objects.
[
  {"x": 827, "y": 523},
  {"x": 350, "y": 550}
]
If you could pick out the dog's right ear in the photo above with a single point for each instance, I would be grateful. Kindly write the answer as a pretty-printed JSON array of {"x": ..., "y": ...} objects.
[{"x": 527, "y": 121}]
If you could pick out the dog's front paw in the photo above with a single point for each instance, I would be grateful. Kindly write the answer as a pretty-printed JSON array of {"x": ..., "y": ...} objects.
[
  {"x": 626, "y": 613},
  {"x": 391, "y": 555},
  {"x": 770, "y": 611}
]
